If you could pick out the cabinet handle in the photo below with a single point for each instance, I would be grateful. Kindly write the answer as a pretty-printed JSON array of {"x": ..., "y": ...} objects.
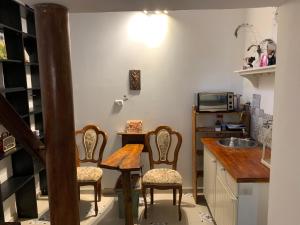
[
  {"x": 223, "y": 169},
  {"x": 213, "y": 161}
]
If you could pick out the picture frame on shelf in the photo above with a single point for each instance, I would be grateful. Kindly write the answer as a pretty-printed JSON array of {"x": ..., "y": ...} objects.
[{"x": 3, "y": 52}]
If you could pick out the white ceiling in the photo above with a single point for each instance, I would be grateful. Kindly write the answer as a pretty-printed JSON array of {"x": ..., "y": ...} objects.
[{"x": 138, "y": 5}]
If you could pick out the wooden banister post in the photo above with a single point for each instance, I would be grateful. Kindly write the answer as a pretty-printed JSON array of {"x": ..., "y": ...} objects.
[{"x": 57, "y": 98}]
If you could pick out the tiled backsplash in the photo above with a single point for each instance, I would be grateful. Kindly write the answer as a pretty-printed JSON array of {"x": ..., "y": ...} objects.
[{"x": 258, "y": 118}]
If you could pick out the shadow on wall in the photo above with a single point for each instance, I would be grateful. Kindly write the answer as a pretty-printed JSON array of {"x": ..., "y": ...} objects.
[
  {"x": 116, "y": 108},
  {"x": 134, "y": 92}
]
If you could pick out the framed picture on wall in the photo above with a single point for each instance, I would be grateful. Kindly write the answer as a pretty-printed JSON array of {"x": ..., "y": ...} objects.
[{"x": 135, "y": 79}]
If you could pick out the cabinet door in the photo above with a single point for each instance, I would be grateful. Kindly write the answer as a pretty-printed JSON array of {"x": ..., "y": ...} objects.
[
  {"x": 210, "y": 171},
  {"x": 226, "y": 205}
]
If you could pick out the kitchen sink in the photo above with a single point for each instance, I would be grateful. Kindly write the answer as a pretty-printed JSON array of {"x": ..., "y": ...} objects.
[{"x": 238, "y": 143}]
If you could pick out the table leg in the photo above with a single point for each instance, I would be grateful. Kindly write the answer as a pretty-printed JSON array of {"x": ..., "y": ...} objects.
[{"x": 127, "y": 197}]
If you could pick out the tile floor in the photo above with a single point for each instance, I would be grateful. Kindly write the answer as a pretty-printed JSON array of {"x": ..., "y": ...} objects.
[{"x": 161, "y": 213}]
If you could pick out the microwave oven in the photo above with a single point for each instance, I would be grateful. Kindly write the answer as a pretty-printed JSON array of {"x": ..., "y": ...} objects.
[{"x": 214, "y": 102}]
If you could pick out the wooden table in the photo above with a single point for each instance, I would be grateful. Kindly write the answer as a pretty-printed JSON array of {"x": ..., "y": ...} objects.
[{"x": 125, "y": 159}]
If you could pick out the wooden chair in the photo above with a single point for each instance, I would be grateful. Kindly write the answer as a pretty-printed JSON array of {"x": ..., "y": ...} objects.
[
  {"x": 90, "y": 175},
  {"x": 162, "y": 178}
]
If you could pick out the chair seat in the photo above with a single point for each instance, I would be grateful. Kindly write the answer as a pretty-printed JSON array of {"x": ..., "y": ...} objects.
[
  {"x": 162, "y": 176},
  {"x": 89, "y": 173}
]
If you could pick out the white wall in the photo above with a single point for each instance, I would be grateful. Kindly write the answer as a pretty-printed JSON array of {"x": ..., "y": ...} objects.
[
  {"x": 199, "y": 53},
  {"x": 264, "y": 26},
  {"x": 285, "y": 173}
]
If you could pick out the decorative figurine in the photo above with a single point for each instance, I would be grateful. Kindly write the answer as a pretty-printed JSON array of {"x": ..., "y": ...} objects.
[
  {"x": 249, "y": 62},
  {"x": 264, "y": 50}
]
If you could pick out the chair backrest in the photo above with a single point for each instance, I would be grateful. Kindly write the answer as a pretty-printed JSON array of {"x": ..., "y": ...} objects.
[
  {"x": 90, "y": 136},
  {"x": 163, "y": 137}
]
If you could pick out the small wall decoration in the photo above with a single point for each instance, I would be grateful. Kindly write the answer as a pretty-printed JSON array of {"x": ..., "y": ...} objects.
[
  {"x": 134, "y": 126},
  {"x": 135, "y": 79}
]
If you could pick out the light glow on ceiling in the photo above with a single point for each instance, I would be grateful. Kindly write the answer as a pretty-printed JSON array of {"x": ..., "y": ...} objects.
[{"x": 148, "y": 28}]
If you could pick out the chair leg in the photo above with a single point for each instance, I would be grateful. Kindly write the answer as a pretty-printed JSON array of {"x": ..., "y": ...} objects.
[
  {"x": 179, "y": 202},
  {"x": 145, "y": 201},
  {"x": 174, "y": 196},
  {"x": 96, "y": 204},
  {"x": 78, "y": 187},
  {"x": 99, "y": 191},
  {"x": 152, "y": 195}
]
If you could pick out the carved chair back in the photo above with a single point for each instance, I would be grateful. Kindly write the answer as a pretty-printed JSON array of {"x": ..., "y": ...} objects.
[
  {"x": 90, "y": 136},
  {"x": 163, "y": 138}
]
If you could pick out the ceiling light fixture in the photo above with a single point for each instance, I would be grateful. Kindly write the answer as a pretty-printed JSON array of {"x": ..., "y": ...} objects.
[{"x": 157, "y": 12}]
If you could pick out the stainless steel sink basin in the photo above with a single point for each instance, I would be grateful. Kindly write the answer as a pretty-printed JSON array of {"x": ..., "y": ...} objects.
[{"x": 237, "y": 143}]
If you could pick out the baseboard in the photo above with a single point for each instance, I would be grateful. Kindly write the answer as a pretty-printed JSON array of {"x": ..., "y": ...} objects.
[{"x": 110, "y": 191}]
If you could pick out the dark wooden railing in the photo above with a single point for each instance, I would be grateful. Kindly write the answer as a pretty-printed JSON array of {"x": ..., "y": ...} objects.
[{"x": 20, "y": 130}]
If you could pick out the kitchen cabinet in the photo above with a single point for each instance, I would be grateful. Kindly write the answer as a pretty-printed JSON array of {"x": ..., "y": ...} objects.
[
  {"x": 231, "y": 202},
  {"x": 226, "y": 204},
  {"x": 210, "y": 171}
]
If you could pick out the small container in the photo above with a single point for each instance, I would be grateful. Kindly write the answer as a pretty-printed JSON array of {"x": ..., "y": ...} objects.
[
  {"x": 263, "y": 60},
  {"x": 218, "y": 126}
]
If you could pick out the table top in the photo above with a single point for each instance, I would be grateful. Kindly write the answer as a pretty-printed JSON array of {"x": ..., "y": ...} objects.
[
  {"x": 131, "y": 133},
  {"x": 125, "y": 158}
]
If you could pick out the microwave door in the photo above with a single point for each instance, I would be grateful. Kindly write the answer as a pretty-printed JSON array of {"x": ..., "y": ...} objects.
[{"x": 213, "y": 102}]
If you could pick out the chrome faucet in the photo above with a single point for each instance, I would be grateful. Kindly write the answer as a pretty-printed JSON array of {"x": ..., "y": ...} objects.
[
  {"x": 231, "y": 143},
  {"x": 245, "y": 133}
]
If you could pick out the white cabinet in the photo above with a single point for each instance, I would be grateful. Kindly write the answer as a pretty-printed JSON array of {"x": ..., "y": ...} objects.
[
  {"x": 233, "y": 203},
  {"x": 210, "y": 171},
  {"x": 226, "y": 205}
]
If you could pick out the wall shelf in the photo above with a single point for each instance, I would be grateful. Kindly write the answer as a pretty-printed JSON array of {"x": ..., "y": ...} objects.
[
  {"x": 20, "y": 85},
  {"x": 11, "y": 90},
  {"x": 218, "y": 112},
  {"x": 10, "y": 61},
  {"x": 202, "y": 127},
  {"x": 3, "y": 155},
  {"x": 12, "y": 185},
  {"x": 254, "y": 74},
  {"x": 212, "y": 130}
]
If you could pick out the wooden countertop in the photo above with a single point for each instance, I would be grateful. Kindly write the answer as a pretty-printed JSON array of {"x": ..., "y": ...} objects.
[{"x": 243, "y": 164}]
